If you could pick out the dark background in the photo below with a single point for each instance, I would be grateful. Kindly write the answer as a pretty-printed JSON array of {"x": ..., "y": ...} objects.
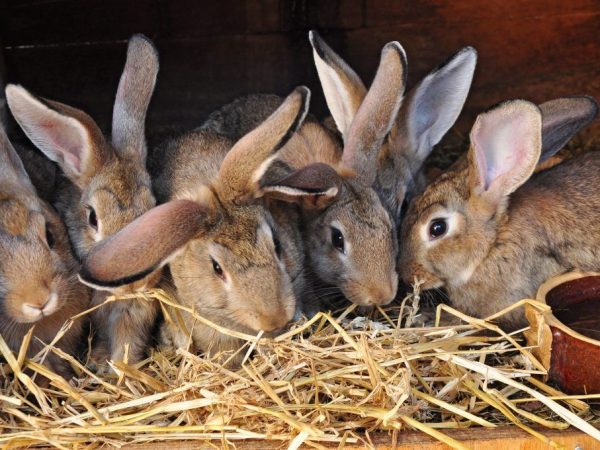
[{"x": 211, "y": 52}]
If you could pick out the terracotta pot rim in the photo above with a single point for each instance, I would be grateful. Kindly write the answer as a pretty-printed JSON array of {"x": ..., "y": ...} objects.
[{"x": 549, "y": 317}]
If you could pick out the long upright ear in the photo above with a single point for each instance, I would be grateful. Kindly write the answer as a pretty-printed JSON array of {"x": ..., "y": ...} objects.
[
  {"x": 314, "y": 186},
  {"x": 562, "y": 118},
  {"x": 376, "y": 114},
  {"x": 506, "y": 143},
  {"x": 12, "y": 171},
  {"x": 133, "y": 97},
  {"x": 144, "y": 245},
  {"x": 245, "y": 164},
  {"x": 433, "y": 106},
  {"x": 344, "y": 91},
  {"x": 65, "y": 135}
]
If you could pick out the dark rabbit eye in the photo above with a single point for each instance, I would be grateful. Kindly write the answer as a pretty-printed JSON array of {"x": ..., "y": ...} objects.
[
  {"x": 337, "y": 239},
  {"x": 437, "y": 228},
  {"x": 217, "y": 268},
  {"x": 277, "y": 244},
  {"x": 49, "y": 237},
  {"x": 403, "y": 208},
  {"x": 92, "y": 218}
]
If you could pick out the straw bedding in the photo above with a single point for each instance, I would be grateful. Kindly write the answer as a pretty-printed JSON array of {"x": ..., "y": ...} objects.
[{"x": 338, "y": 377}]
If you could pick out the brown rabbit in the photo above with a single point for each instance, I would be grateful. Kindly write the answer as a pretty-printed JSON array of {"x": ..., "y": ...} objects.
[
  {"x": 349, "y": 235},
  {"x": 218, "y": 237},
  {"x": 38, "y": 274},
  {"x": 488, "y": 232},
  {"x": 106, "y": 186},
  {"x": 425, "y": 115}
]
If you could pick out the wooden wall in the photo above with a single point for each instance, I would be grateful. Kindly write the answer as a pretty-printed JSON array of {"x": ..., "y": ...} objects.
[{"x": 213, "y": 51}]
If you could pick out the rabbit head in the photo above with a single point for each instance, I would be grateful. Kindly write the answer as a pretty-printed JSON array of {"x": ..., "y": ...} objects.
[
  {"x": 425, "y": 115},
  {"x": 349, "y": 234},
  {"x": 219, "y": 239},
  {"x": 109, "y": 184},
  {"x": 453, "y": 225},
  {"x": 38, "y": 282}
]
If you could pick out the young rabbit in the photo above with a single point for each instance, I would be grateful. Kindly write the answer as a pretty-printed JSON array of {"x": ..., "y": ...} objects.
[
  {"x": 488, "y": 232},
  {"x": 427, "y": 112},
  {"x": 221, "y": 242},
  {"x": 38, "y": 274},
  {"x": 106, "y": 186},
  {"x": 349, "y": 235}
]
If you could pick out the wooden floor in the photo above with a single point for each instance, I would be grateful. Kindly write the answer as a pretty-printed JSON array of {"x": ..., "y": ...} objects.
[{"x": 502, "y": 438}]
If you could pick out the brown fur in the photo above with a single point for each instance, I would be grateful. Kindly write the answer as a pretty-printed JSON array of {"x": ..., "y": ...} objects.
[
  {"x": 512, "y": 244},
  {"x": 34, "y": 269},
  {"x": 106, "y": 178},
  {"x": 252, "y": 289},
  {"x": 424, "y": 116},
  {"x": 365, "y": 271}
]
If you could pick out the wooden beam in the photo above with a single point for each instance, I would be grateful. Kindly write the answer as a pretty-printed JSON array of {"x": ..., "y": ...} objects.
[{"x": 500, "y": 438}]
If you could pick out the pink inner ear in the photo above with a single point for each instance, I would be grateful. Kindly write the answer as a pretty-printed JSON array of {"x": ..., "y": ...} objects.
[
  {"x": 507, "y": 143},
  {"x": 67, "y": 142}
]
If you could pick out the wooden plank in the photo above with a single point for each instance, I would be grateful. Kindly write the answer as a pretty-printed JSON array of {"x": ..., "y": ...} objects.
[
  {"x": 388, "y": 12},
  {"x": 336, "y": 14},
  {"x": 69, "y": 21},
  {"x": 502, "y": 438},
  {"x": 527, "y": 51}
]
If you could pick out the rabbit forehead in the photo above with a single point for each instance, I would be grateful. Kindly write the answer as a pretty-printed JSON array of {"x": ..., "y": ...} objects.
[
  {"x": 120, "y": 192},
  {"x": 241, "y": 234},
  {"x": 19, "y": 215},
  {"x": 360, "y": 206},
  {"x": 447, "y": 190}
]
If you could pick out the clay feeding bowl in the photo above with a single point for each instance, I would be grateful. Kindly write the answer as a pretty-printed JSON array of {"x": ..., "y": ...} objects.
[{"x": 568, "y": 333}]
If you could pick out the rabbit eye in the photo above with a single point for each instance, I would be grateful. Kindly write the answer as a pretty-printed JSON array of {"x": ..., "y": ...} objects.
[
  {"x": 337, "y": 239},
  {"x": 92, "y": 218},
  {"x": 403, "y": 208},
  {"x": 217, "y": 268},
  {"x": 49, "y": 237},
  {"x": 438, "y": 228},
  {"x": 277, "y": 244}
]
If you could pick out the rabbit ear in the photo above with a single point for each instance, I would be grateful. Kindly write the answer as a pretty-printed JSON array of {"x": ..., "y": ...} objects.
[
  {"x": 562, "y": 118},
  {"x": 133, "y": 97},
  {"x": 11, "y": 166},
  {"x": 376, "y": 114},
  {"x": 144, "y": 245},
  {"x": 314, "y": 186},
  {"x": 505, "y": 148},
  {"x": 245, "y": 164},
  {"x": 344, "y": 91},
  {"x": 65, "y": 135},
  {"x": 433, "y": 106}
]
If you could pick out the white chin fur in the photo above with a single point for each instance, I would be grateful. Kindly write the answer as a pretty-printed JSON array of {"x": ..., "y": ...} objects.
[
  {"x": 33, "y": 314},
  {"x": 30, "y": 314}
]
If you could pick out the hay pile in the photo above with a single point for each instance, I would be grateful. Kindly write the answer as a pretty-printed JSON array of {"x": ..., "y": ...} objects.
[{"x": 335, "y": 378}]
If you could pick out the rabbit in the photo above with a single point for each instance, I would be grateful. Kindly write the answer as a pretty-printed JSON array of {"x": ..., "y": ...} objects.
[
  {"x": 349, "y": 235},
  {"x": 219, "y": 239},
  {"x": 38, "y": 274},
  {"x": 425, "y": 115},
  {"x": 491, "y": 233},
  {"x": 106, "y": 184}
]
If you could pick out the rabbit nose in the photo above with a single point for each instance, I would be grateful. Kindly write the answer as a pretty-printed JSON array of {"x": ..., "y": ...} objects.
[
  {"x": 383, "y": 294},
  {"x": 44, "y": 307},
  {"x": 273, "y": 323}
]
